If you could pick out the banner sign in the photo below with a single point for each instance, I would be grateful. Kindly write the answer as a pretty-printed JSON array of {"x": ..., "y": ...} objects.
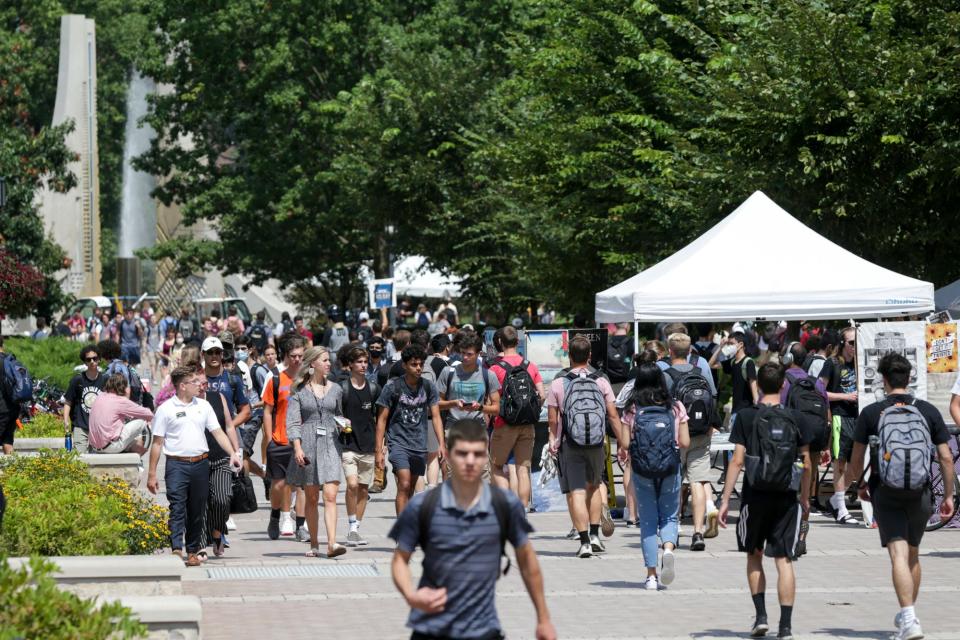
[
  {"x": 875, "y": 340},
  {"x": 942, "y": 347},
  {"x": 550, "y": 350},
  {"x": 383, "y": 294}
]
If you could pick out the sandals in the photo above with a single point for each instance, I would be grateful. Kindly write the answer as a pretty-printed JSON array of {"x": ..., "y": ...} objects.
[
  {"x": 314, "y": 552},
  {"x": 847, "y": 519},
  {"x": 218, "y": 546},
  {"x": 336, "y": 550}
]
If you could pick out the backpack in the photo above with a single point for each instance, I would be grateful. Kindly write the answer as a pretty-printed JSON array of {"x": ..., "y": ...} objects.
[
  {"x": 584, "y": 409},
  {"x": 691, "y": 389},
  {"x": 905, "y": 448},
  {"x": 258, "y": 336},
  {"x": 17, "y": 382},
  {"x": 816, "y": 365},
  {"x": 653, "y": 445},
  {"x": 619, "y": 353},
  {"x": 773, "y": 451},
  {"x": 422, "y": 320},
  {"x": 133, "y": 380},
  {"x": 339, "y": 336},
  {"x": 804, "y": 398},
  {"x": 186, "y": 328},
  {"x": 501, "y": 508},
  {"x": 288, "y": 326},
  {"x": 519, "y": 401},
  {"x": 346, "y": 386}
]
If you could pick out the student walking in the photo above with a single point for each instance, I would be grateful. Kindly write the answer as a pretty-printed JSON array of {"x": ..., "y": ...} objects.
[
  {"x": 358, "y": 459},
  {"x": 462, "y": 527},
  {"x": 770, "y": 445},
  {"x": 658, "y": 426},
  {"x": 902, "y": 432}
]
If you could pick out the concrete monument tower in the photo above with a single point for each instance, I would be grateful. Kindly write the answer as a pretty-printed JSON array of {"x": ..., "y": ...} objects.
[{"x": 73, "y": 218}]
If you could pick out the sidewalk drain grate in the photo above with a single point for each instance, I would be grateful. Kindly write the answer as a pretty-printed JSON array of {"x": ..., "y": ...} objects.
[{"x": 295, "y": 571}]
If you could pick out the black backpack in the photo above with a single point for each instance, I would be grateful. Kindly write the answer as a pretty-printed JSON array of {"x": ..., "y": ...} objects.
[
  {"x": 804, "y": 398},
  {"x": 692, "y": 390},
  {"x": 519, "y": 401},
  {"x": 501, "y": 507},
  {"x": 772, "y": 450},
  {"x": 619, "y": 355},
  {"x": 258, "y": 336}
]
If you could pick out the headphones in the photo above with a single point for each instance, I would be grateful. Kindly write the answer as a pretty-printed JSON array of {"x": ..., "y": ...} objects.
[{"x": 787, "y": 358}]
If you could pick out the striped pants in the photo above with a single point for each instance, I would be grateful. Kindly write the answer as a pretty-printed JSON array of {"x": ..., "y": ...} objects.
[{"x": 218, "y": 500}]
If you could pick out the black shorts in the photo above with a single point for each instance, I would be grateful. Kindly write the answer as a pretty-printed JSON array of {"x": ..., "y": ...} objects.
[
  {"x": 8, "y": 427},
  {"x": 772, "y": 524},
  {"x": 901, "y": 515},
  {"x": 578, "y": 467},
  {"x": 846, "y": 437},
  {"x": 819, "y": 438},
  {"x": 248, "y": 437},
  {"x": 278, "y": 459}
]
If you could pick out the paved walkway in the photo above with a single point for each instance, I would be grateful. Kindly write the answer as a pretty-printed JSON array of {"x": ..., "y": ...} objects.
[{"x": 268, "y": 589}]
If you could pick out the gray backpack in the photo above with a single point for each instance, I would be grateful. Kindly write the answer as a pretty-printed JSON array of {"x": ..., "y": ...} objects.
[
  {"x": 904, "y": 450},
  {"x": 584, "y": 409}
]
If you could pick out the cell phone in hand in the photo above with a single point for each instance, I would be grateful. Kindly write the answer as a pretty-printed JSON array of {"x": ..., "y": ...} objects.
[{"x": 306, "y": 461}]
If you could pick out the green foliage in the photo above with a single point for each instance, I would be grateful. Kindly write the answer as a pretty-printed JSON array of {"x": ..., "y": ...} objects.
[
  {"x": 52, "y": 359},
  {"x": 56, "y": 508},
  {"x": 42, "y": 425},
  {"x": 31, "y": 606}
]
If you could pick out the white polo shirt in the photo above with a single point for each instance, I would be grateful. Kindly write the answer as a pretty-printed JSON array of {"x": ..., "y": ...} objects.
[{"x": 182, "y": 425}]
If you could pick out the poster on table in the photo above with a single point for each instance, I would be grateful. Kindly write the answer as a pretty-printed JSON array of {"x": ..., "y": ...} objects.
[
  {"x": 550, "y": 349},
  {"x": 875, "y": 340},
  {"x": 490, "y": 350},
  {"x": 383, "y": 294}
]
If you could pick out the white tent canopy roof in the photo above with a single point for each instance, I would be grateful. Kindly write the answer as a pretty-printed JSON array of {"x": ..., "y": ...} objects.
[
  {"x": 720, "y": 277},
  {"x": 413, "y": 278}
]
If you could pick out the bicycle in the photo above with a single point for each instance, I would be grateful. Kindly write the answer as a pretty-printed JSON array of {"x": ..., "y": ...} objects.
[{"x": 937, "y": 487}]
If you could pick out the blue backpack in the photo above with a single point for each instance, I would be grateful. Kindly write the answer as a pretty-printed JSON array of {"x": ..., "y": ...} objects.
[
  {"x": 133, "y": 380},
  {"x": 17, "y": 383},
  {"x": 653, "y": 445}
]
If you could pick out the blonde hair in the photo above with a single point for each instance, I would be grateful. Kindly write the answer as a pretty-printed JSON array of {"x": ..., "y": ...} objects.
[
  {"x": 189, "y": 357},
  {"x": 679, "y": 344},
  {"x": 310, "y": 357}
]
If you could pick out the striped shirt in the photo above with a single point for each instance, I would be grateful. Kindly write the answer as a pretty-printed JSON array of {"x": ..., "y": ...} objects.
[{"x": 464, "y": 556}]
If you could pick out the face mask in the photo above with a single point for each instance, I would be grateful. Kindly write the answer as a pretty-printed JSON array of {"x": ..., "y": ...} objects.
[
  {"x": 242, "y": 356},
  {"x": 728, "y": 350},
  {"x": 179, "y": 340}
]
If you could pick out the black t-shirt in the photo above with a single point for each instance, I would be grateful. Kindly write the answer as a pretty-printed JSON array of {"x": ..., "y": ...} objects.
[
  {"x": 215, "y": 398},
  {"x": 843, "y": 379},
  {"x": 869, "y": 422},
  {"x": 742, "y": 396},
  {"x": 358, "y": 407},
  {"x": 742, "y": 433},
  {"x": 80, "y": 394}
]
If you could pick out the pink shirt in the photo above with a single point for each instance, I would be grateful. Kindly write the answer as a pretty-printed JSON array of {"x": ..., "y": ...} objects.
[
  {"x": 501, "y": 374},
  {"x": 555, "y": 395},
  {"x": 108, "y": 415}
]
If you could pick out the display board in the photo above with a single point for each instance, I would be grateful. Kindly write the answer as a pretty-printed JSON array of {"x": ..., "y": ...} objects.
[
  {"x": 550, "y": 350},
  {"x": 875, "y": 340}
]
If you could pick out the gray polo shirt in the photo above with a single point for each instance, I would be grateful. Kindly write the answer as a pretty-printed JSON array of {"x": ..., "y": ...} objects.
[{"x": 465, "y": 556}]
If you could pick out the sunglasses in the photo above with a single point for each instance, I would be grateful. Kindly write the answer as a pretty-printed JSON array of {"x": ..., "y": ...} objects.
[
  {"x": 215, "y": 352},
  {"x": 93, "y": 359},
  {"x": 850, "y": 342}
]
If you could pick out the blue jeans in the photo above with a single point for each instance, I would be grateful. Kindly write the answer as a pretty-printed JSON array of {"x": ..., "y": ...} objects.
[
  {"x": 187, "y": 488},
  {"x": 658, "y": 501}
]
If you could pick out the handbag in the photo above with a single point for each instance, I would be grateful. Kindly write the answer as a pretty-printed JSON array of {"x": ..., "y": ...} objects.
[{"x": 244, "y": 500}]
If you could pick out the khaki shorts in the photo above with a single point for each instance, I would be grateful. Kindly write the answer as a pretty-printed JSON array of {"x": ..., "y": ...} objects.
[
  {"x": 359, "y": 465},
  {"x": 128, "y": 435},
  {"x": 519, "y": 439},
  {"x": 696, "y": 460}
]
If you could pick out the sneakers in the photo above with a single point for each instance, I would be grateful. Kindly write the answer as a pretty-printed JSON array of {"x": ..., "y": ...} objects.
[
  {"x": 231, "y": 525},
  {"x": 287, "y": 525},
  {"x": 303, "y": 534},
  {"x": 785, "y": 634},
  {"x": 697, "y": 543},
  {"x": 606, "y": 522},
  {"x": 712, "y": 520},
  {"x": 913, "y": 632},
  {"x": 896, "y": 620},
  {"x": 651, "y": 583},
  {"x": 802, "y": 540},
  {"x": 596, "y": 544},
  {"x": 585, "y": 551},
  {"x": 573, "y": 535},
  {"x": 354, "y": 539},
  {"x": 760, "y": 628},
  {"x": 273, "y": 528},
  {"x": 667, "y": 570}
]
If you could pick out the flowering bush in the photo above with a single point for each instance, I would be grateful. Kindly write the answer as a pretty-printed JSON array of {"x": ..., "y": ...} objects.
[
  {"x": 21, "y": 286},
  {"x": 54, "y": 507}
]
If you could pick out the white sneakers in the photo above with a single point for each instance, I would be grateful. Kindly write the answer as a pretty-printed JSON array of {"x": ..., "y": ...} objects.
[
  {"x": 231, "y": 525},
  {"x": 287, "y": 525},
  {"x": 667, "y": 570},
  {"x": 910, "y": 632},
  {"x": 651, "y": 583}
]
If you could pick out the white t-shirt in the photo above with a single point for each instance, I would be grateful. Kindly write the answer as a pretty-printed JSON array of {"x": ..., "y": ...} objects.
[
  {"x": 182, "y": 426},
  {"x": 956, "y": 387},
  {"x": 244, "y": 369}
]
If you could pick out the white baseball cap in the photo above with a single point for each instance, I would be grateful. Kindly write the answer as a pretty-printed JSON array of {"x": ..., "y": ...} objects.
[
  {"x": 364, "y": 315},
  {"x": 211, "y": 342}
]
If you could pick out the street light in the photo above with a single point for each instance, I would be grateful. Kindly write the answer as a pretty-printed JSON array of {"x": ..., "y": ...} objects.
[{"x": 3, "y": 192}]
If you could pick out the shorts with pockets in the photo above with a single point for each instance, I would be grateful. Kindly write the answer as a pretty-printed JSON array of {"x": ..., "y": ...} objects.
[
  {"x": 360, "y": 465},
  {"x": 129, "y": 434},
  {"x": 516, "y": 438},
  {"x": 579, "y": 467},
  {"x": 695, "y": 460},
  {"x": 843, "y": 431},
  {"x": 278, "y": 459},
  {"x": 414, "y": 461},
  {"x": 772, "y": 524},
  {"x": 901, "y": 515}
]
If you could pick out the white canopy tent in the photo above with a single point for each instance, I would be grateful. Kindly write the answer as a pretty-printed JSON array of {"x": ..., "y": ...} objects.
[
  {"x": 761, "y": 262},
  {"x": 413, "y": 278}
]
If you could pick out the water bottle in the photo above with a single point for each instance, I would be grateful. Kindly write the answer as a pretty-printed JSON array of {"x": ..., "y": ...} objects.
[{"x": 68, "y": 441}]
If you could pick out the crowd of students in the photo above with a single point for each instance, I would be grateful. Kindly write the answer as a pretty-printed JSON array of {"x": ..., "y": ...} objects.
[{"x": 443, "y": 412}]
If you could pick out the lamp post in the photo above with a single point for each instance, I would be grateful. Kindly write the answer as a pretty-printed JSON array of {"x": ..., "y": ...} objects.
[{"x": 3, "y": 191}]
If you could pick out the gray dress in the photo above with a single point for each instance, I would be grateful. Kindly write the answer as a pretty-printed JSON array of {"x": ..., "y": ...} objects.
[{"x": 305, "y": 413}]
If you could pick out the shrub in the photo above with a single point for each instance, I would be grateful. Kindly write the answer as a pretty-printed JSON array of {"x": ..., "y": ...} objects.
[
  {"x": 54, "y": 507},
  {"x": 42, "y": 425},
  {"x": 31, "y": 606},
  {"x": 52, "y": 359}
]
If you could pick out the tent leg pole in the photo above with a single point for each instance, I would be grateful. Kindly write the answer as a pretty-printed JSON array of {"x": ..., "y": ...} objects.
[{"x": 636, "y": 337}]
